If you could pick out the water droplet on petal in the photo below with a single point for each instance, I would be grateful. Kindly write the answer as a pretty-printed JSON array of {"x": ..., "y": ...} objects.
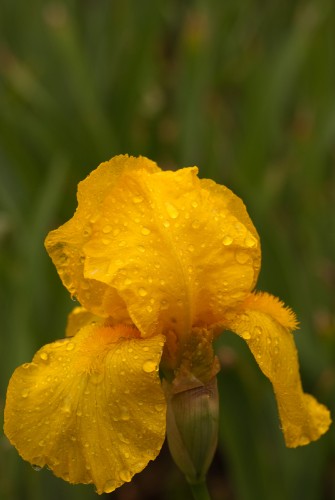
[
  {"x": 41, "y": 443},
  {"x": 171, "y": 210},
  {"x": 246, "y": 335},
  {"x": 24, "y": 394},
  {"x": 125, "y": 417},
  {"x": 123, "y": 438},
  {"x": 258, "y": 330},
  {"x": 227, "y": 240},
  {"x": 194, "y": 204},
  {"x": 149, "y": 366},
  {"x": 109, "y": 486},
  {"x": 87, "y": 231},
  {"x": 190, "y": 248},
  {"x": 44, "y": 356},
  {"x": 164, "y": 304},
  {"x": 37, "y": 467},
  {"x": 137, "y": 199},
  {"x": 125, "y": 476},
  {"x": 250, "y": 241},
  {"x": 242, "y": 257},
  {"x": 159, "y": 407},
  {"x": 70, "y": 346},
  {"x": 166, "y": 223},
  {"x": 107, "y": 229},
  {"x": 142, "y": 292},
  {"x": 145, "y": 231}
]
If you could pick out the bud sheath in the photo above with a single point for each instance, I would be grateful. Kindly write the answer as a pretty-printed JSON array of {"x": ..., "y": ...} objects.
[{"x": 192, "y": 427}]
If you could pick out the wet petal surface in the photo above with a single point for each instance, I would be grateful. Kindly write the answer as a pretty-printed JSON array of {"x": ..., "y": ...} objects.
[
  {"x": 65, "y": 244},
  {"x": 179, "y": 250},
  {"x": 91, "y": 407}
]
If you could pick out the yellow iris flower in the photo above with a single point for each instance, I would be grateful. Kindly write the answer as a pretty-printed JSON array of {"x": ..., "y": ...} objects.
[{"x": 161, "y": 262}]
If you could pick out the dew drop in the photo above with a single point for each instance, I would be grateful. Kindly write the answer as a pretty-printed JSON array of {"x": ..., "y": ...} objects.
[
  {"x": 250, "y": 242},
  {"x": 190, "y": 248},
  {"x": 246, "y": 335},
  {"x": 109, "y": 486},
  {"x": 164, "y": 304},
  {"x": 241, "y": 257},
  {"x": 195, "y": 224},
  {"x": 194, "y": 204},
  {"x": 106, "y": 229},
  {"x": 70, "y": 346},
  {"x": 171, "y": 210},
  {"x": 125, "y": 476},
  {"x": 145, "y": 231},
  {"x": 149, "y": 366},
  {"x": 123, "y": 438},
  {"x": 44, "y": 356},
  {"x": 227, "y": 240},
  {"x": 159, "y": 407},
  {"x": 166, "y": 223},
  {"x": 127, "y": 281},
  {"x": 24, "y": 394},
  {"x": 67, "y": 410},
  {"x": 87, "y": 231},
  {"x": 137, "y": 199},
  {"x": 142, "y": 292},
  {"x": 37, "y": 467},
  {"x": 258, "y": 330},
  {"x": 41, "y": 443}
]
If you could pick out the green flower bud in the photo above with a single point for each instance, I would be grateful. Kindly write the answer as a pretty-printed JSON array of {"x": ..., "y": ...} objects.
[{"x": 192, "y": 427}]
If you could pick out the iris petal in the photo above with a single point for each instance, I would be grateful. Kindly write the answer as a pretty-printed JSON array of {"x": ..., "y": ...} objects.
[
  {"x": 266, "y": 326},
  {"x": 91, "y": 407},
  {"x": 65, "y": 244},
  {"x": 179, "y": 250}
]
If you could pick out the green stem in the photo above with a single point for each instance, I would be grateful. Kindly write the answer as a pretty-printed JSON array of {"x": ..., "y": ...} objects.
[{"x": 200, "y": 491}]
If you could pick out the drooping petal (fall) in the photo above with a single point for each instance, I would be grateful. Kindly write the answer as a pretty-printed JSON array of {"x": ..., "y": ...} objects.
[
  {"x": 266, "y": 326},
  {"x": 179, "y": 250},
  {"x": 90, "y": 407}
]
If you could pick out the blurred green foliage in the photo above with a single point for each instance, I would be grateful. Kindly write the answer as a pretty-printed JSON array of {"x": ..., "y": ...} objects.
[{"x": 243, "y": 89}]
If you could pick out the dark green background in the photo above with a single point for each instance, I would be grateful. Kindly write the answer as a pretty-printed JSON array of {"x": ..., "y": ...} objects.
[{"x": 245, "y": 90}]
